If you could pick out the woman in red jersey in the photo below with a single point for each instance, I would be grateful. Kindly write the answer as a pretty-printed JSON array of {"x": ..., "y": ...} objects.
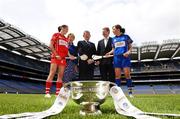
[{"x": 59, "y": 48}]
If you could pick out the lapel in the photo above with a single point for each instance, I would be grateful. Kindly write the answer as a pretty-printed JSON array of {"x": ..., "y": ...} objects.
[
  {"x": 102, "y": 44},
  {"x": 85, "y": 42},
  {"x": 108, "y": 43}
]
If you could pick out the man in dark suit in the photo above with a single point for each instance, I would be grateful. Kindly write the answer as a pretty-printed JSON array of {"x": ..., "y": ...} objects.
[
  {"x": 86, "y": 68},
  {"x": 106, "y": 64}
]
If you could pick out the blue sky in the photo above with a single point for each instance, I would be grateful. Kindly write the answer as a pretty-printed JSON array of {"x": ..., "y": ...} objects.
[{"x": 144, "y": 20}]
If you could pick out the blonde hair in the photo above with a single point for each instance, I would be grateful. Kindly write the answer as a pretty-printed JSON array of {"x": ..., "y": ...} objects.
[{"x": 71, "y": 34}]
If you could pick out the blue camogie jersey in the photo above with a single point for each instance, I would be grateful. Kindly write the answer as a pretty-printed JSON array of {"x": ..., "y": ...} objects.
[{"x": 120, "y": 44}]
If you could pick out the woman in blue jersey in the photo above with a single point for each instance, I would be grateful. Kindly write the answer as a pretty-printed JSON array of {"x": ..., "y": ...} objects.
[
  {"x": 71, "y": 69},
  {"x": 122, "y": 46}
]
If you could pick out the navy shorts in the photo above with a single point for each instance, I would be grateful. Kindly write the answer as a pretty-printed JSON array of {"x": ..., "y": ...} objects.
[{"x": 121, "y": 62}]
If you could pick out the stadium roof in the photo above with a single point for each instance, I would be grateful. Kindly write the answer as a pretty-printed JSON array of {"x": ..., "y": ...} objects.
[
  {"x": 15, "y": 40},
  {"x": 150, "y": 51}
]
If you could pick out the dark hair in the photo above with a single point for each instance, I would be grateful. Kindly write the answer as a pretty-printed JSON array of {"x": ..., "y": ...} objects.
[
  {"x": 107, "y": 29},
  {"x": 62, "y": 26},
  {"x": 117, "y": 26}
]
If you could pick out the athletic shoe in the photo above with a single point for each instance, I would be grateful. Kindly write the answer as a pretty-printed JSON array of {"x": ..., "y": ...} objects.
[
  {"x": 131, "y": 96},
  {"x": 47, "y": 96}
]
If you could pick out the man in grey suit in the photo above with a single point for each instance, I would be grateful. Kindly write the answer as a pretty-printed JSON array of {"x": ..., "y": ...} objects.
[{"x": 106, "y": 64}]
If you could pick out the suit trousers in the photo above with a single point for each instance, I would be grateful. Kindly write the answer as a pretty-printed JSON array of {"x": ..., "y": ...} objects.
[
  {"x": 107, "y": 72},
  {"x": 86, "y": 71}
]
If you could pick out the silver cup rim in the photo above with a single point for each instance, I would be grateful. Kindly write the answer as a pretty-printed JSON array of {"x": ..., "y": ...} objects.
[{"x": 69, "y": 83}]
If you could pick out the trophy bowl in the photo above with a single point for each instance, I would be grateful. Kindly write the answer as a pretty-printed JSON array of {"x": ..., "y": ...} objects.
[{"x": 90, "y": 95}]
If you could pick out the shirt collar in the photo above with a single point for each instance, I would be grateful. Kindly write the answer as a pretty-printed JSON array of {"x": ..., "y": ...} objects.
[
  {"x": 86, "y": 41},
  {"x": 106, "y": 38}
]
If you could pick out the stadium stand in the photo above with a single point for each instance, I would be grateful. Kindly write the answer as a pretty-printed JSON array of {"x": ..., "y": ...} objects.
[
  {"x": 143, "y": 89},
  {"x": 24, "y": 64},
  {"x": 162, "y": 89},
  {"x": 175, "y": 88}
]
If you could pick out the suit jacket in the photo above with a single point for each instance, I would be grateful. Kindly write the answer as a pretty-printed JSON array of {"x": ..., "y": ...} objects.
[
  {"x": 86, "y": 71},
  {"x": 102, "y": 50},
  {"x": 87, "y": 48}
]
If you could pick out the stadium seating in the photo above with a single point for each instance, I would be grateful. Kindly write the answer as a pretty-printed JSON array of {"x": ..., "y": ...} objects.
[
  {"x": 20, "y": 87},
  {"x": 143, "y": 89},
  {"x": 4, "y": 88},
  {"x": 162, "y": 89},
  {"x": 175, "y": 88},
  {"x": 24, "y": 64},
  {"x": 9, "y": 57},
  {"x": 13, "y": 65}
]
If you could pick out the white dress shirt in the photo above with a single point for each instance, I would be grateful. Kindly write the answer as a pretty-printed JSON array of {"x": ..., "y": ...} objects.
[{"x": 106, "y": 41}]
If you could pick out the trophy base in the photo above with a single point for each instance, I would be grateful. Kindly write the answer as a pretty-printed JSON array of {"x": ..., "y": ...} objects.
[{"x": 90, "y": 109}]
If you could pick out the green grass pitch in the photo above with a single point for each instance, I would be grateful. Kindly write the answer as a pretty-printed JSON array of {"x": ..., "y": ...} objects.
[{"x": 18, "y": 103}]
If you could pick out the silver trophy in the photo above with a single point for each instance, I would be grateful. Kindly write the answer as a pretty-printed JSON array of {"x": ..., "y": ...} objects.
[{"x": 90, "y": 95}]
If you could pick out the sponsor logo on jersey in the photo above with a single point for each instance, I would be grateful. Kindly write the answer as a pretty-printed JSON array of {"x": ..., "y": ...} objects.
[
  {"x": 120, "y": 44},
  {"x": 63, "y": 42}
]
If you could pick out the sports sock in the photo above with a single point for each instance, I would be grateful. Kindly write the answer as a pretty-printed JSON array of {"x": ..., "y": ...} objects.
[
  {"x": 129, "y": 85},
  {"x": 118, "y": 82},
  {"x": 58, "y": 87},
  {"x": 48, "y": 87}
]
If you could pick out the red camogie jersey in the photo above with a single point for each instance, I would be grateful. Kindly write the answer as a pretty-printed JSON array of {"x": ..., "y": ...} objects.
[{"x": 61, "y": 47}]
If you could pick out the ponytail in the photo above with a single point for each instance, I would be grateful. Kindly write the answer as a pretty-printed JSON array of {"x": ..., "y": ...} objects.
[{"x": 62, "y": 26}]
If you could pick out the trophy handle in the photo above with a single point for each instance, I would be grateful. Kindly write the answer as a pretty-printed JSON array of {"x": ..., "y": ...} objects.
[{"x": 124, "y": 107}]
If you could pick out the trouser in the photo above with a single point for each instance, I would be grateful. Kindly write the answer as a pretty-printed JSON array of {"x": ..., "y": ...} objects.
[
  {"x": 107, "y": 72},
  {"x": 86, "y": 71}
]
